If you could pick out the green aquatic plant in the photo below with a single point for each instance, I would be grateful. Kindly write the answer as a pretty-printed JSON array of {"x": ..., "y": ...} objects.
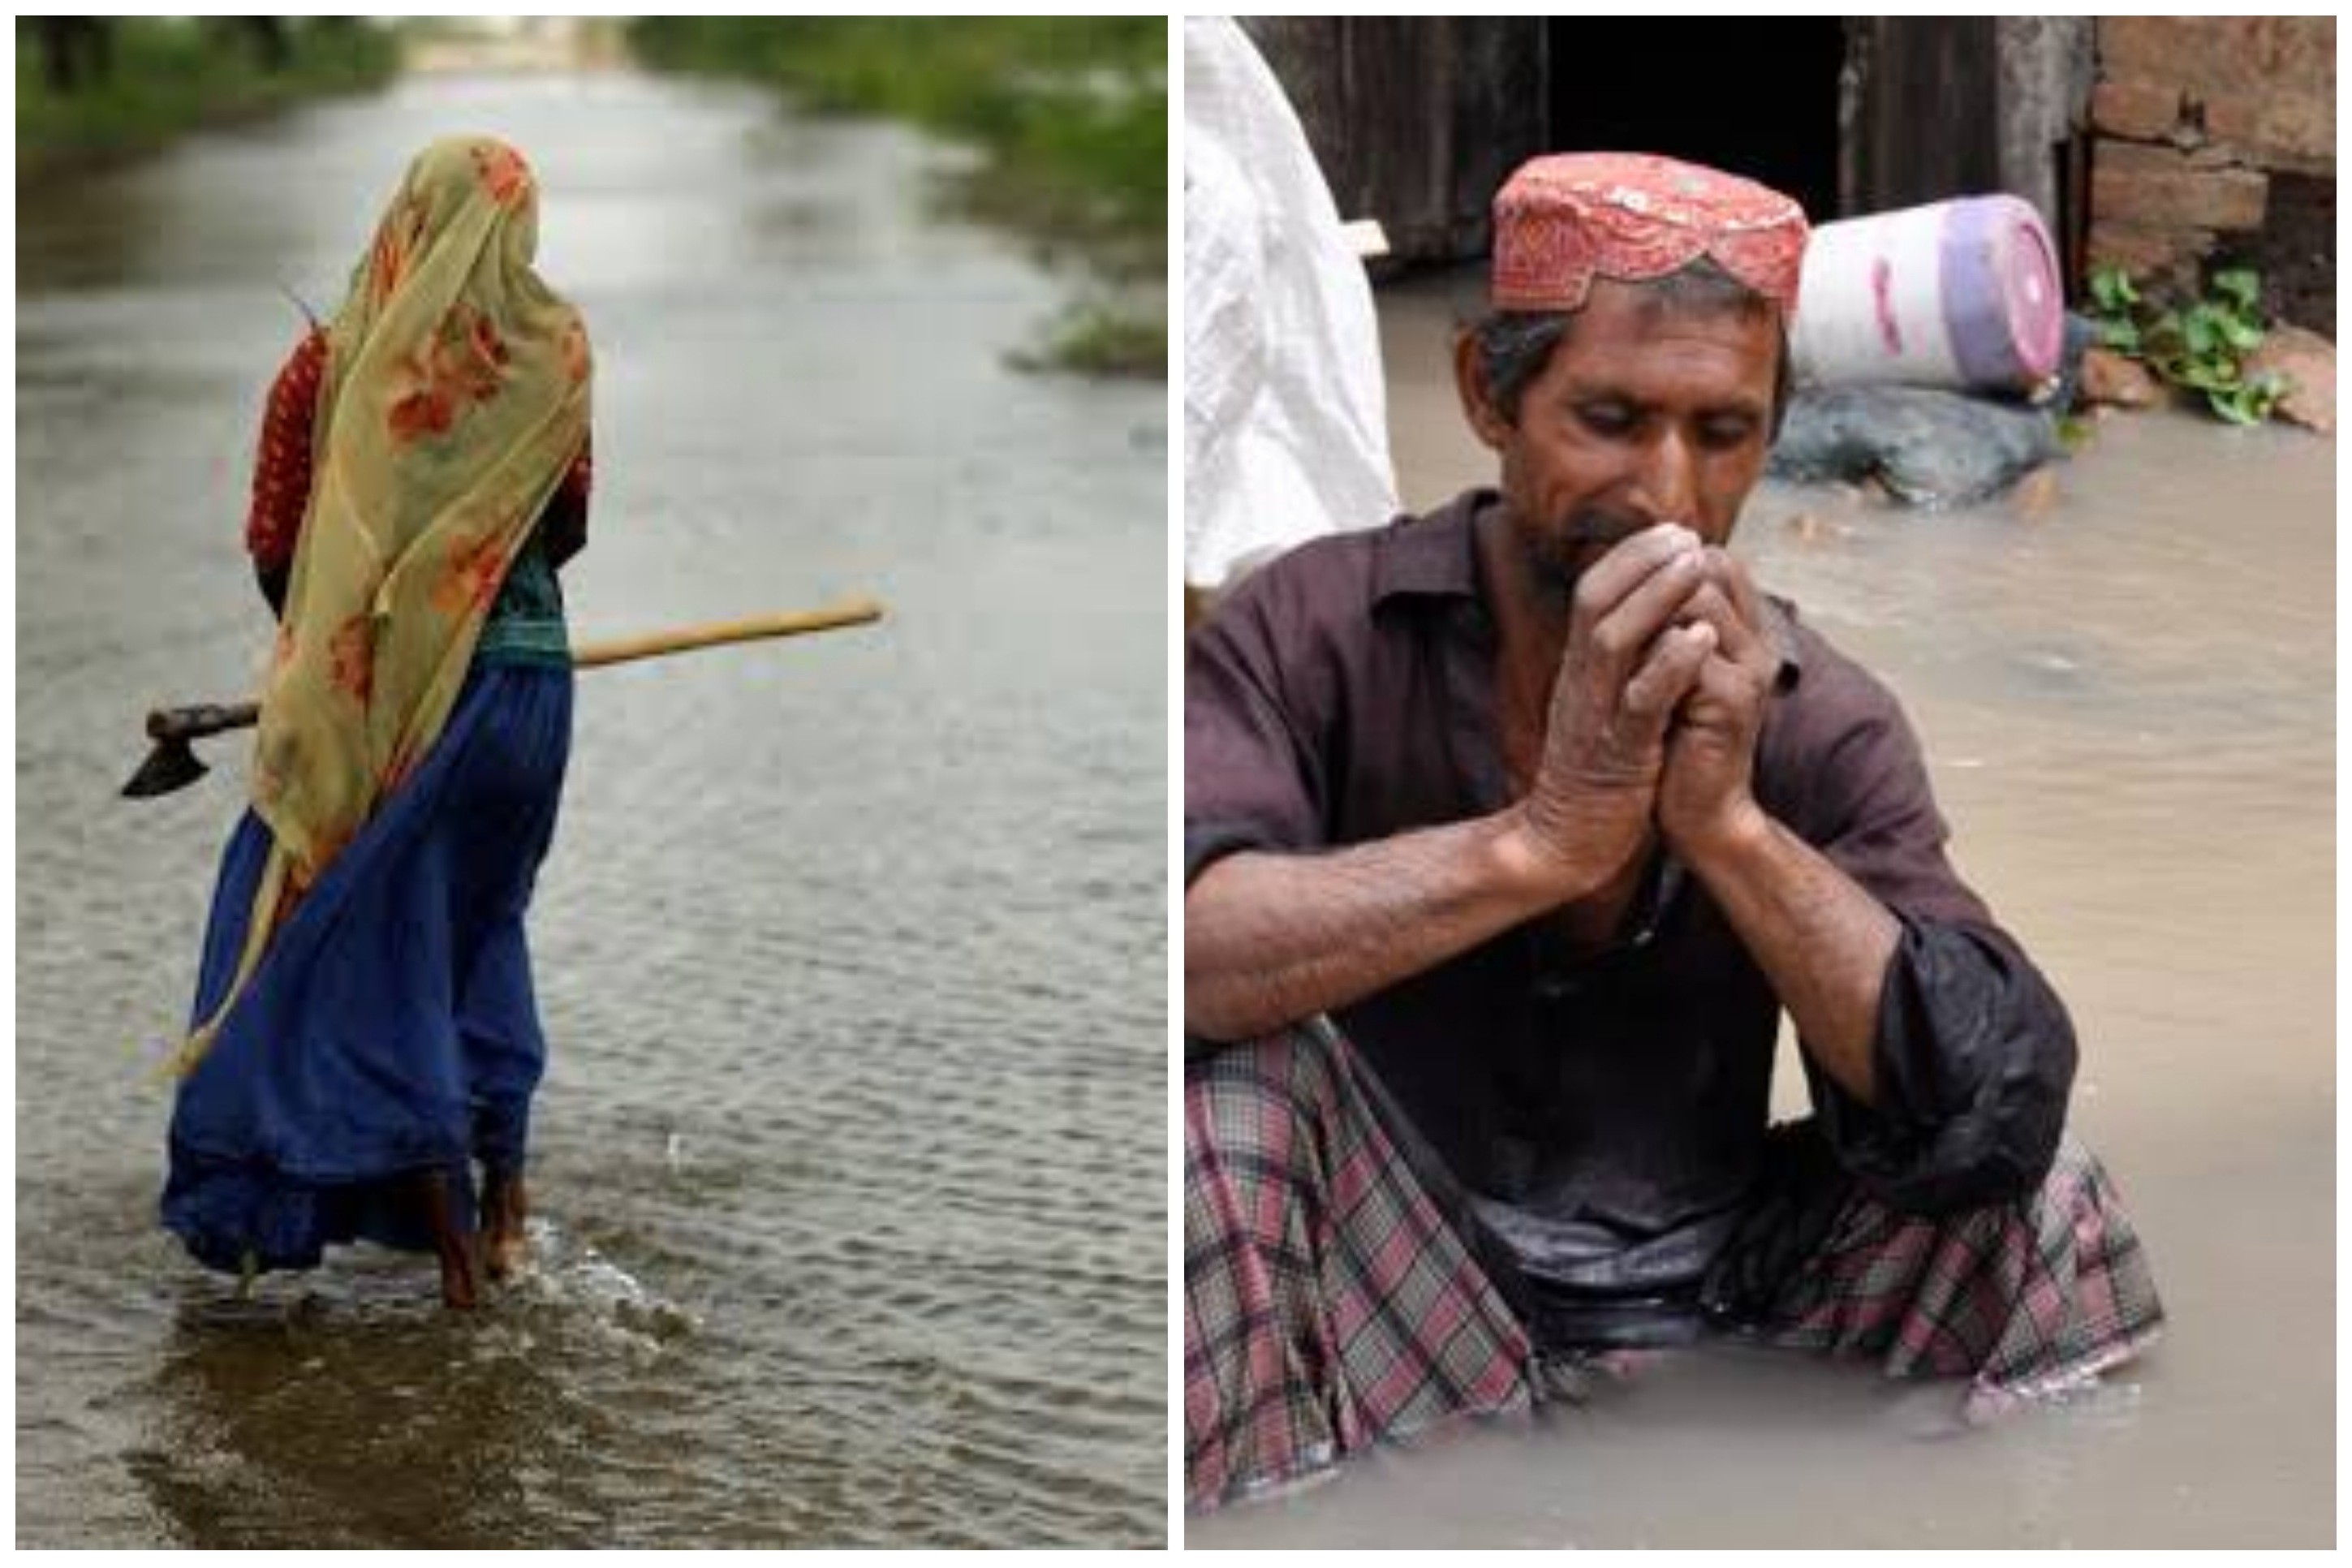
[{"x": 2200, "y": 346}]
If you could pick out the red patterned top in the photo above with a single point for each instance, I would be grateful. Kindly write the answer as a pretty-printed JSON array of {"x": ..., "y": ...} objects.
[{"x": 281, "y": 469}]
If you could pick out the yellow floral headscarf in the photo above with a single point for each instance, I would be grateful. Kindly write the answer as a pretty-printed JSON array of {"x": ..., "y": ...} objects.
[{"x": 455, "y": 397}]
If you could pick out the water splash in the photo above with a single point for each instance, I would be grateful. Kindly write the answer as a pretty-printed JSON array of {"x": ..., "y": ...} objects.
[{"x": 565, "y": 1273}]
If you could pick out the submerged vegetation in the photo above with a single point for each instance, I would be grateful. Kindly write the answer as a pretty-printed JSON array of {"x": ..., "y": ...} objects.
[
  {"x": 1071, "y": 114},
  {"x": 92, "y": 87}
]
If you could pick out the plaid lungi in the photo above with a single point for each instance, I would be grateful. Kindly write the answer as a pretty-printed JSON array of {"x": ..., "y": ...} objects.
[{"x": 1331, "y": 1300}]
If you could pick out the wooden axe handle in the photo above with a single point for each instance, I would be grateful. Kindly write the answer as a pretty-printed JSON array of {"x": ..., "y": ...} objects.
[
  {"x": 685, "y": 639},
  {"x": 164, "y": 724},
  {"x": 193, "y": 724}
]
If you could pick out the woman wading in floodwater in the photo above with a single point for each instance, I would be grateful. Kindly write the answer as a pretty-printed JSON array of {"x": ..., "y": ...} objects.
[{"x": 364, "y": 1028}]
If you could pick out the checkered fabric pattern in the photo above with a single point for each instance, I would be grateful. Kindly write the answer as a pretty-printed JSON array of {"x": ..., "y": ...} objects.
[
  {"x": 1329, "y": 1304},
  {"x": 1326, "y": 1303},
  {"x": 2021, "y": 1299}
]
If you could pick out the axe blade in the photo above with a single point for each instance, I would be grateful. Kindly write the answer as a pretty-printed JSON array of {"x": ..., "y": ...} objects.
[{"x": 171, "y": 765}]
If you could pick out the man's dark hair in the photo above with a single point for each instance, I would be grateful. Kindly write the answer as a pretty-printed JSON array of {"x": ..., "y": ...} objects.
[{"x": 1514, "y": 346}]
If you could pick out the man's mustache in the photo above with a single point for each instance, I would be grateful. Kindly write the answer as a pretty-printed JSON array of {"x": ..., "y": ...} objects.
[{"x": 1597, "y": 525}]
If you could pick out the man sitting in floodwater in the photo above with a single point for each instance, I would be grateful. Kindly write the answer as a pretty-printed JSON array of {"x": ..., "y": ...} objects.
[{"x": 1510, "y": 833}]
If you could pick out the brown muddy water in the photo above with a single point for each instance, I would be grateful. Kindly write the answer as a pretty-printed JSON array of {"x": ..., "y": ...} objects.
[
  {"x": 851, "y": 1166},
  {"x": 2128, "y": 707}
]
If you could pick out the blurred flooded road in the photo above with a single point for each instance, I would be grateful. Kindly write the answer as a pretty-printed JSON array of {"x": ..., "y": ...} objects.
[
  {"x": 851, "y": 1167},
  {"x": 2128, "y": 704}
]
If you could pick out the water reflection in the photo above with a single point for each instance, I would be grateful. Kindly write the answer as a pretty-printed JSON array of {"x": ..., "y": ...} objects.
[{"x": 852, "y": 955}]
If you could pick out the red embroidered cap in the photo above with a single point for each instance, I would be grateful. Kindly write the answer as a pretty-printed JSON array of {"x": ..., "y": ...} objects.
[{"x": 1569, "y": 217}]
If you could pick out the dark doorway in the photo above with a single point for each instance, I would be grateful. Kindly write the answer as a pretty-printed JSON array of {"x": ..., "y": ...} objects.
[{"x": 1754, "y": 95}]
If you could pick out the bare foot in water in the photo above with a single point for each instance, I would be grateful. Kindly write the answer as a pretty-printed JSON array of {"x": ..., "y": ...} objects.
[
  {"x": 455, "y": 1248},
  {"x": 504, "y": 1208}
]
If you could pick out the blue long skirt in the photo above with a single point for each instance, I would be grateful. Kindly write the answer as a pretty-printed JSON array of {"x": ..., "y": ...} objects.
[{"x": 391, "y": 1029}]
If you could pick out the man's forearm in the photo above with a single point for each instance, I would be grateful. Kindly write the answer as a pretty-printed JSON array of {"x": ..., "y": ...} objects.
[
  {"x": 1822, "y": 941},
  {"x": 1271, "y": 939}
]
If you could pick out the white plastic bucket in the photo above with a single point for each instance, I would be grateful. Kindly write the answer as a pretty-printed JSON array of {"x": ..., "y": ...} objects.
[{"x": 1958, "y": 293}]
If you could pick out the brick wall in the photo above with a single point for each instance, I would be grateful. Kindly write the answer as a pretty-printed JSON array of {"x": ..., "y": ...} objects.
[{"x": 2214, "y": 137}]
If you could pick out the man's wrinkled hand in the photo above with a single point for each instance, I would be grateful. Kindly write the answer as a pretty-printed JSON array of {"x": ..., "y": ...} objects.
[
  {"x": 1633, "y": 654},
  {"x": 1705, "y": 797}
]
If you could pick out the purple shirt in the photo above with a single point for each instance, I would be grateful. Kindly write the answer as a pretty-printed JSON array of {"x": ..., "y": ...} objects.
[{"x": 1346, "y": 693}]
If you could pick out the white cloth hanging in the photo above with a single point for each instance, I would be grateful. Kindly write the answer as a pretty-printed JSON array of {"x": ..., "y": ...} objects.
[{"x": 1286, "y": 422}]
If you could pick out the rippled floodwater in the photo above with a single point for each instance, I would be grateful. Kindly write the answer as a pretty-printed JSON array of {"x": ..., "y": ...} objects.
[
  {"x": 850, "y": 1168},
  {"x": 2129, "y": 706}
]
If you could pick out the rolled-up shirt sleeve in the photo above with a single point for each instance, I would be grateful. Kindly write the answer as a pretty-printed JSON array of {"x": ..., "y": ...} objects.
[
  {"x": 1975, "y": 1054},
  {"x": 1254, "y": 778}
]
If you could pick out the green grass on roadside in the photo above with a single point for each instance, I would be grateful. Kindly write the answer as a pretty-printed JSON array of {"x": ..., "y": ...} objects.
[
  {"x": 1071, "y": 112},
  {"x": 1100, "y": 340},
  {"x": 167, "y": 76}
]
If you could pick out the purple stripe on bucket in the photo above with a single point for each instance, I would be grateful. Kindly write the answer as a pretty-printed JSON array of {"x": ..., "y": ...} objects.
[
  {"x": 1975, "y": 298},
  {"x": 2037, "y": 301}
]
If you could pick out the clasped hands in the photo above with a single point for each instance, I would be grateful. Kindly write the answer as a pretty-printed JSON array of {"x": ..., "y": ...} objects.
[{"x": 1655, "y": 710}]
